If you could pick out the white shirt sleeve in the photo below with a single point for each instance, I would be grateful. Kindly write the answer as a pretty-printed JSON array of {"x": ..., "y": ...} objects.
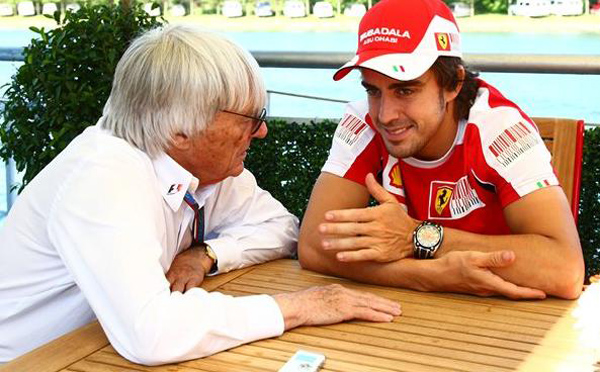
[
  {"x": 107, "y": 226},
  {"x": 246, "y": 225},
  {"x": 352, "y": 136},
  {"x": 514, "y": 149}
]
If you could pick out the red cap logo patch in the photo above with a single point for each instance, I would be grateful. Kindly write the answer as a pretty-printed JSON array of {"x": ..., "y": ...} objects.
[{"x": 442, "y": 40}]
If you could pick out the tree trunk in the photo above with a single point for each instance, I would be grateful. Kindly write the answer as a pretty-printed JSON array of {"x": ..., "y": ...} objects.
[{"x": 125, "y": 5}]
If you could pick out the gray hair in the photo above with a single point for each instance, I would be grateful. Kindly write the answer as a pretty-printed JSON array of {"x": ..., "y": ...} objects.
[{"x": 174, "y": 80}]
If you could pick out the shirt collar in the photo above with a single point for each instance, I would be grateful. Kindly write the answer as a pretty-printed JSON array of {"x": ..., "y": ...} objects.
[{"x": 173, "y": 180}]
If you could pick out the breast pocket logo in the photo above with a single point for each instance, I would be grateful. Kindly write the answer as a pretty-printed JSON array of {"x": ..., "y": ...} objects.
[
  {"x": 452, "y": 200},
  {"x": 442, "y": 198}
]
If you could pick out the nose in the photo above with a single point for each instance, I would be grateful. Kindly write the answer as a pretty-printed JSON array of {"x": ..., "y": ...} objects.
[
  {"x": 388, "y": 110},
  {"x": 262, "y": 131}
]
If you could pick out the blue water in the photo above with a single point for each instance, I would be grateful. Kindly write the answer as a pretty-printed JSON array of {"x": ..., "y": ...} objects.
[{"x": 573, "y": 96}]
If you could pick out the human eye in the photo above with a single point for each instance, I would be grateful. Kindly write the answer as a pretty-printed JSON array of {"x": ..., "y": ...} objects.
[
  {"x": 404, "y": 92},
  {"x": 372, "y": 92}
]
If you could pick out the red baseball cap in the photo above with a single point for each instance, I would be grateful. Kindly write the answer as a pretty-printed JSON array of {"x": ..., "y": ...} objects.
[{"x": 403, "y": 38}]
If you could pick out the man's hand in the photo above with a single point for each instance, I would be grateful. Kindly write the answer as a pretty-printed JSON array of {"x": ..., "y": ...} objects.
[
  {"x": 382, "y": 233},
  {"x": 188, "y": 269},
  {"x": 333, "y": 304},
  {"x": 469, "y": 272}
]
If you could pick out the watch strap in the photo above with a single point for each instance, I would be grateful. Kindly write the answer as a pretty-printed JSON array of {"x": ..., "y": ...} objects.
[{"x": 211, "y": 254}]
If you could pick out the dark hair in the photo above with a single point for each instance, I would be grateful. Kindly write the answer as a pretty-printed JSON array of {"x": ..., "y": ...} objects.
[{"x": 446, "y": 73}]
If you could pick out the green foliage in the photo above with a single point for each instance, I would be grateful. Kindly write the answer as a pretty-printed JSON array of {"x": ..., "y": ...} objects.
[
  {"x": 491, "y": 6},
  {"x": 64, "y": 82},
  {"x": 289, "y": 160},
  {"x": 589, "y": 202}
]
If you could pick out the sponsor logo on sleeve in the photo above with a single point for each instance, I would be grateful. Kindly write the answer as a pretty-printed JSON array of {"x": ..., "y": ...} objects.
[
  {"x": 442, "y": 41},
  {"x": 350, "y": 129},
  {"x": 513, "y": 142},
  {"x": 452, "y": 200}
]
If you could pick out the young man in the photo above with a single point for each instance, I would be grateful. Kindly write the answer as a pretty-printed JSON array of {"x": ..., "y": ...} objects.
[
  {"x": 97, "y": 232},
  {"x": 468, "y": 200}
]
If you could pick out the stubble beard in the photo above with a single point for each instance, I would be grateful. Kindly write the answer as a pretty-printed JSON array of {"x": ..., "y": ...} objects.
[{"x": 406, "y": 150}]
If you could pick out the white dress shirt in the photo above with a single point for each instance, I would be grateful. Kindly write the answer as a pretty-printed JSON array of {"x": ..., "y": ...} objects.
[{"x": 93, "y": 235}]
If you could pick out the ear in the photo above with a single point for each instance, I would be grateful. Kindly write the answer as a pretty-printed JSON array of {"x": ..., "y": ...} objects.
[
  {"x": 460, "y": 76},
  {"x": 180, "y": 142}
]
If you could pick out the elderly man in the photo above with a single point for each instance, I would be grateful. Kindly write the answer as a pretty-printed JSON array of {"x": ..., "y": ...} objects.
[
  {"x": 162, "y": 173},
  {"x": 468, "y": 202}
]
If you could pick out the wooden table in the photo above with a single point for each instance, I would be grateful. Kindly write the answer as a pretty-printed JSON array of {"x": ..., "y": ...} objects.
[{"x": 437, "y": 332}]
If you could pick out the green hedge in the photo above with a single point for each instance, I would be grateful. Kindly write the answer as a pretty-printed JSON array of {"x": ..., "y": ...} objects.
[
  {"x": 589, "y": 202},
  {"x": 289, "y": 160},
  {"x": 64, "y": 82}
]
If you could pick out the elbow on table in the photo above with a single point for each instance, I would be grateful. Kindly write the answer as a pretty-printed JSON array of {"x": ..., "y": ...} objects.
[
  {"x": 155, "y": 354},
  {"x": 142, "y": 353},
  {"x": 147, "y": 343},
  {"x": 569, "y": 281},
  {"x": 309, "y": 257},
  {"x": 144, "y": 358}
]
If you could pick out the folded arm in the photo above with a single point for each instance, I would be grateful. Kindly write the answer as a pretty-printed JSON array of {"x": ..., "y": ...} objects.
[
  {"x": 545, "y": 242},
  {"x": 467, "y": 262}
]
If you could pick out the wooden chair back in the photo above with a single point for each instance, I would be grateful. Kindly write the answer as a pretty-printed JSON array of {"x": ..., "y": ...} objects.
[{"x": 564, "y": 140}]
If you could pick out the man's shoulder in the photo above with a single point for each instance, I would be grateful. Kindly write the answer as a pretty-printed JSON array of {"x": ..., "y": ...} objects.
[
  {"x": 99, "y": 146},
  {"x": 355, "y": 129},
  {"x": 98, "y": 155},
  {"x": 509, "y": 141},
  {"x": 493, "y": 115}
]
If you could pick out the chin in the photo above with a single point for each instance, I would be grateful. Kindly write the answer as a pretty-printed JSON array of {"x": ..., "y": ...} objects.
[
  {"x": 399, "y": 152},
  {"x": 404, "y": 150},
  {"x": 237, "y": 171}
]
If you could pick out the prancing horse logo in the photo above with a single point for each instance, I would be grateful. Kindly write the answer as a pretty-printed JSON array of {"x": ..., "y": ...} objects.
[
  {"x": 442, "y": 41},
  {"x": 442, "y": 197}
]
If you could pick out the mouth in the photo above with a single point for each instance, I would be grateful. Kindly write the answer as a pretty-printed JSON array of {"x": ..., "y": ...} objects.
[{"x": 396, "y": 134}]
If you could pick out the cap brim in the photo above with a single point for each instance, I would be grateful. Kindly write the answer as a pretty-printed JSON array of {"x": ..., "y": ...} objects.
[{"x": 399, "y": 66}]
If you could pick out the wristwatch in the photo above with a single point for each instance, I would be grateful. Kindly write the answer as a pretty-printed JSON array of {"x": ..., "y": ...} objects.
[
  {"x": 211, "y": 254},
  {"x": 427, "y": 238}
]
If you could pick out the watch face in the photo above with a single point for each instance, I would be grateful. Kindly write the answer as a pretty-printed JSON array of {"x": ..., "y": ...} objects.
[{"x": 428, "y": 236}]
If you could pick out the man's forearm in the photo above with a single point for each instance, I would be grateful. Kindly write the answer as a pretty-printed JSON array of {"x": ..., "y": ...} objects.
[
  {"x": 407, "y": 273},
  {"x": 541, "y": 262}
]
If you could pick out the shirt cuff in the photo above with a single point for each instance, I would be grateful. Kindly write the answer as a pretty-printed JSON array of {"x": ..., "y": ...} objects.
[
  {"x": 224, "y": 249},
  {"x": 266, "y": 316}
]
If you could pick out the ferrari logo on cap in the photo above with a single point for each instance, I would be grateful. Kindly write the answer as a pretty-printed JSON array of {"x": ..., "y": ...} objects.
[
  {"x": 442, "y": 41},
  {"x": 442, "y": 197}
]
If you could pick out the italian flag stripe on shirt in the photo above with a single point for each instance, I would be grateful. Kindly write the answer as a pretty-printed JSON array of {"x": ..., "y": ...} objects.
[{"x": 542, "y": 184}]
